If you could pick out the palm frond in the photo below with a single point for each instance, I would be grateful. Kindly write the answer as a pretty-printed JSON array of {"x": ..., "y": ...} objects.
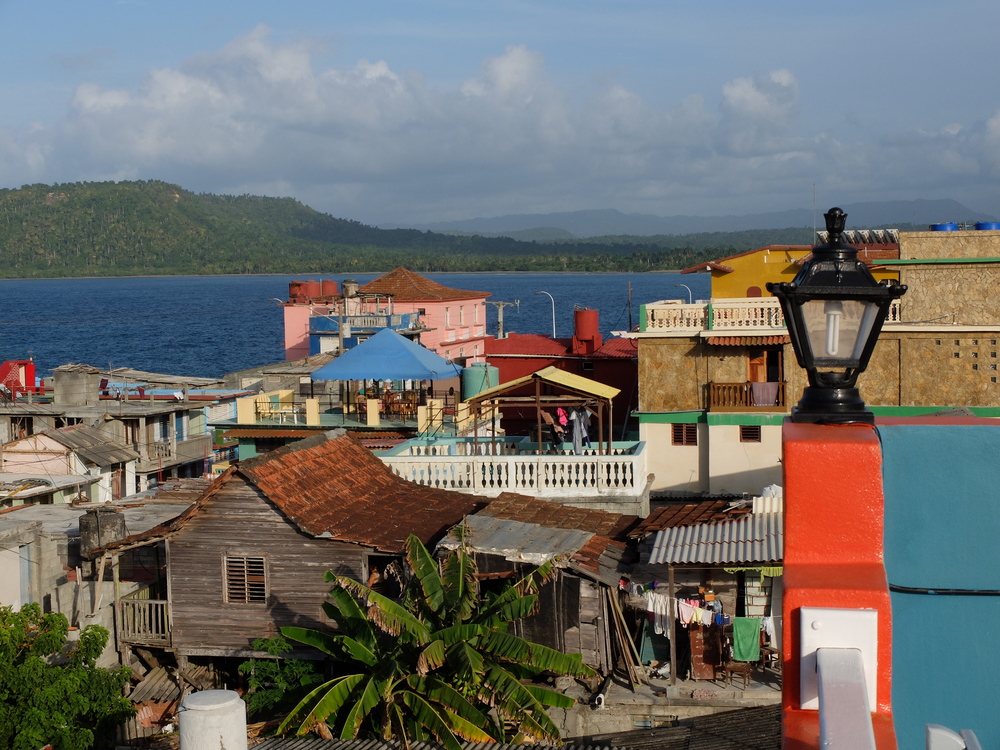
[
  {"x": 438, "y": 691},
  {"x": 513, "y": 701},
  {"x": 431, "y": 657},
  {"x": 321, "y": 703},
  {"x": 466, "y": 662},
  {"x": 367, "y": 700},
  {"x": 341, "y": 647},
  {"x": 425, "y": 570},
  {"x": 460, "y": 585},
  {"x": 424, "y": 713},
  {"x": 548, "y": 697},
  {"x": 347, "y": 612},
  {"x": 389, "y": 616},
  {"x": 514, "y": 649}
]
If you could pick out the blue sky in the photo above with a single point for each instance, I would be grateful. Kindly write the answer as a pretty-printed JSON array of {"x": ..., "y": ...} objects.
[{"x": 419, "y": 111}]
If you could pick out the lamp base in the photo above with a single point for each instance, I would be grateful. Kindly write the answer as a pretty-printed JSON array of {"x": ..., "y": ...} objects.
[{"x": 832, "y": 406}]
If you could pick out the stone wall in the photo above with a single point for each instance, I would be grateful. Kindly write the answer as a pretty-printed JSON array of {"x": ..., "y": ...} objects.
[
  {"x": 960, "y": 293},
  {"x": 671, "y": 374}
]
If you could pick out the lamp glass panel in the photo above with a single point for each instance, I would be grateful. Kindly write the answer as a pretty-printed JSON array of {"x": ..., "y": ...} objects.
[{"x": 838, "y": 329}]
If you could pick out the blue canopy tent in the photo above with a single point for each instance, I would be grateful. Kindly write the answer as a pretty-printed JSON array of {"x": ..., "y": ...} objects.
[{"x": 388, "y": 356}]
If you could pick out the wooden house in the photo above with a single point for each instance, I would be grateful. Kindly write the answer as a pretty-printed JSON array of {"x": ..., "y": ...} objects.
[
  {"x": 249, "y": 556},
  {"x": 579, "y": 608}
]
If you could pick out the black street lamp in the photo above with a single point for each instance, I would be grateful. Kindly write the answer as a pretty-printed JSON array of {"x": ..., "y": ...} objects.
[{"x": 834, "y": 310}]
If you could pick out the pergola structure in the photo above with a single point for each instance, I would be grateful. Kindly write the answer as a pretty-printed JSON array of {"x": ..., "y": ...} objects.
[{"x": 547, "y": 390}]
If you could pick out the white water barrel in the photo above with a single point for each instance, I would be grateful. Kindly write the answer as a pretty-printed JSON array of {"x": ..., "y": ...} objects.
[{"x": 213, "y": 720}]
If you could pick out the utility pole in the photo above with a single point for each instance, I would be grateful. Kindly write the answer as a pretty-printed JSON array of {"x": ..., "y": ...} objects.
[{"x": 500, "y": 306}]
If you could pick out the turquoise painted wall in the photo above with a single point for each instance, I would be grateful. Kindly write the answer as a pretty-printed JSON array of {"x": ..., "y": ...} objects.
[{"x": 942, "y": 529}]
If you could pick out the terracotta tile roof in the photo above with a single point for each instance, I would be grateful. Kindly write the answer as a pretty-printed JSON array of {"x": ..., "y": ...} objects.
[
  {"x": 404, "y": 284},
  {"x": 617, "y": 348},
  {"x": 747, "y": 340},
  {"x": 529, "y": 343},
  {"x": 335, "y": 487},
  {"x": 558, "y": 516},
  {"x": 719, "y": 263},
  {"x": 685, "y": 514}
]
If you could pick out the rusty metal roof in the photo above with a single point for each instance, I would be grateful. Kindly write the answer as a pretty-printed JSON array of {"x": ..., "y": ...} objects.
[
  {"x": 685, "y": 514},
  {"x": 559, "y": 516},
  {"x": 753, "y": 538},
  {"x": 332, "y": 487}
]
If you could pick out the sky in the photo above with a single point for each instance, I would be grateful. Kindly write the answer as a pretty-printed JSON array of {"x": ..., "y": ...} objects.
[{"x": 415, "y": 111}]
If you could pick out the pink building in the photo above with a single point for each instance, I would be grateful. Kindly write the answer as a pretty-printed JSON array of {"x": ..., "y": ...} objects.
[
  {"x": 450, "y": 322},
  {"x": 454, "y": 319}
]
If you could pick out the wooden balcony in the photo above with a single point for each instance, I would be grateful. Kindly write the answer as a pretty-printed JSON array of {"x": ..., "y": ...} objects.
[
  {"x": 746, "y": 396},
  {"x": 143, "y": 621}
]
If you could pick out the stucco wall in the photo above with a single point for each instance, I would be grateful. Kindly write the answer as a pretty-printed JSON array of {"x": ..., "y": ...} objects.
[
  {"x": 743, "y": 467},
  {"x": 675, "y": 468}
]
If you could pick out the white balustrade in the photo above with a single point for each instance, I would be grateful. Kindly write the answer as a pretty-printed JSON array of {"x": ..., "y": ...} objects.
[
  {"x": 547, "y": 475},
  {"x": 729, "y": 314}
]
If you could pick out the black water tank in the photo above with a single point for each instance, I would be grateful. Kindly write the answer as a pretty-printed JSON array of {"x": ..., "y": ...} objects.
[{"x": 100, "y": 526}]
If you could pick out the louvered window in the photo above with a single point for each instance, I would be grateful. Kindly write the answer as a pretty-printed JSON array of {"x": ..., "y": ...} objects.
[
  {"x": 685, "y": 434},
  {"x": 246, "y": 580}
]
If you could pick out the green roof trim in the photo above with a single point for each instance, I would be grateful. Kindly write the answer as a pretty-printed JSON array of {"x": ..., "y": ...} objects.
[
  {"x": 920, "y": 411},
  {"x": 932, "y": 261},
  {"x": 670, "y": 417}
]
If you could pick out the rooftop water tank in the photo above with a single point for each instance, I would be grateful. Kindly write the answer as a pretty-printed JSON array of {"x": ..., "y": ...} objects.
[
  {"x": 100, "y": 526},
  {"x": 948, "y": 226},
  {"x": 311, "y": 289},
  {"x": 213, "y": 720},
  {"x": 478, "y": 377},
  {"x": 987, "y": 225},
  {"x": 295, "y": 294},
  {"x": 329, "y": 287}
]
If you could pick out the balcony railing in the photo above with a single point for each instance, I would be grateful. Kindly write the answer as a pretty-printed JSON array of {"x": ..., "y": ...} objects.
[
  {"x": 746, "y": 396},
  {"x": 622, "y": 473},
  {"x": 729, "y": 314},
  {"x": 143, "y": 621}
]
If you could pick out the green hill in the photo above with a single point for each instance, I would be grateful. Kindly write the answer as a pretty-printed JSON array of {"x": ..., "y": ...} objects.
[{"x": 150, "y": 228}]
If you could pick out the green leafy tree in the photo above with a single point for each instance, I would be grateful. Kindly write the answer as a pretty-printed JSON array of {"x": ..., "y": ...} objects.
[
  {"x": 440, "y": 663},
  {"x": 276, "y": 683},
  {"x": 51, "y": 691}
]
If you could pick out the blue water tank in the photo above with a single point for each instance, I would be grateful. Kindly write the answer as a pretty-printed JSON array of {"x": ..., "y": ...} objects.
[
  {"x": 990, "y": 225},
  {"x": 949, "y": 226}
]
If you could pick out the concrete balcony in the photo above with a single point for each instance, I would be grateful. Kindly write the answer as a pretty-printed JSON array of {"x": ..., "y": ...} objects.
[
  {"x": 159, "y": 455},
  {"x": 487, "y": 467},
  {"x": 725, "y": 315}
]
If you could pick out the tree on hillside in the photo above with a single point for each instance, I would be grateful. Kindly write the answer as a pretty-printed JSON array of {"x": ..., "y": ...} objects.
[
  {"x": 51, "y": 691},
  {"x": 439, "y": 663}
]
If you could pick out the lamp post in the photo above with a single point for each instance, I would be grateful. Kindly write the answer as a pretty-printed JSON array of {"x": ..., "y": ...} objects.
[
  {"x": 834, "y": 310},
  {"x": 553, "y": 312},
  {"x": 690, "y": 295}
]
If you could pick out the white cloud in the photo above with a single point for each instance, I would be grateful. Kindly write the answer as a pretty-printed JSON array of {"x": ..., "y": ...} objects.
[{"x": 370, "y": 142}]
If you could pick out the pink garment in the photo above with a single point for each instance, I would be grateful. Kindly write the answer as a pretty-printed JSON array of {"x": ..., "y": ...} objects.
[
  {"x": 684, "y": 612},
  {"x": 563, "y": 416}
]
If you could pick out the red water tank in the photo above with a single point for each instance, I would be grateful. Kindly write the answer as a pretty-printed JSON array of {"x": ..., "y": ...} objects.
[
  {"x": 311, "y": 289},
  {"x": 586, "y": 331},
  {"x": 295, "y": 294},
  {"x": 329, "y": 287}
]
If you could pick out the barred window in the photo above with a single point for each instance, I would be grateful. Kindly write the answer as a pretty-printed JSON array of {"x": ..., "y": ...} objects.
[
  {"x": 246, "y": 580},
  {"x": 685, "y": 434},
  {"x": 750, "y": 433}
]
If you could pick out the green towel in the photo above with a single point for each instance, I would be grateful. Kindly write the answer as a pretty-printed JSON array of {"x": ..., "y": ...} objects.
[{"x": 746, "y": 638}]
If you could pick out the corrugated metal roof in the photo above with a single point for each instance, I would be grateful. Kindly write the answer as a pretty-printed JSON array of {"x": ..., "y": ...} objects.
[
  {"x": 519, "y": 542},
  {"x": 91, "y": 445},
  {"x": 754, "y": 538},
  {"x": 316, "y": 743},
  {"x": 558, "y": 377}
]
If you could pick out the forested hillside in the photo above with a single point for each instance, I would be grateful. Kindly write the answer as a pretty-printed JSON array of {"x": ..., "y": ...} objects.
[{"x": 138, "y": 228}]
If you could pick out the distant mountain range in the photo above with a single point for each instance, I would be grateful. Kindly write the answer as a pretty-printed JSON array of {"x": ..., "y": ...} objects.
[{"x": 606, "y": 222}]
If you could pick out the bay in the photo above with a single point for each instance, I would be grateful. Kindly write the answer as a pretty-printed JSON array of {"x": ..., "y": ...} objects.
[{"x": 211, "y": 325}]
